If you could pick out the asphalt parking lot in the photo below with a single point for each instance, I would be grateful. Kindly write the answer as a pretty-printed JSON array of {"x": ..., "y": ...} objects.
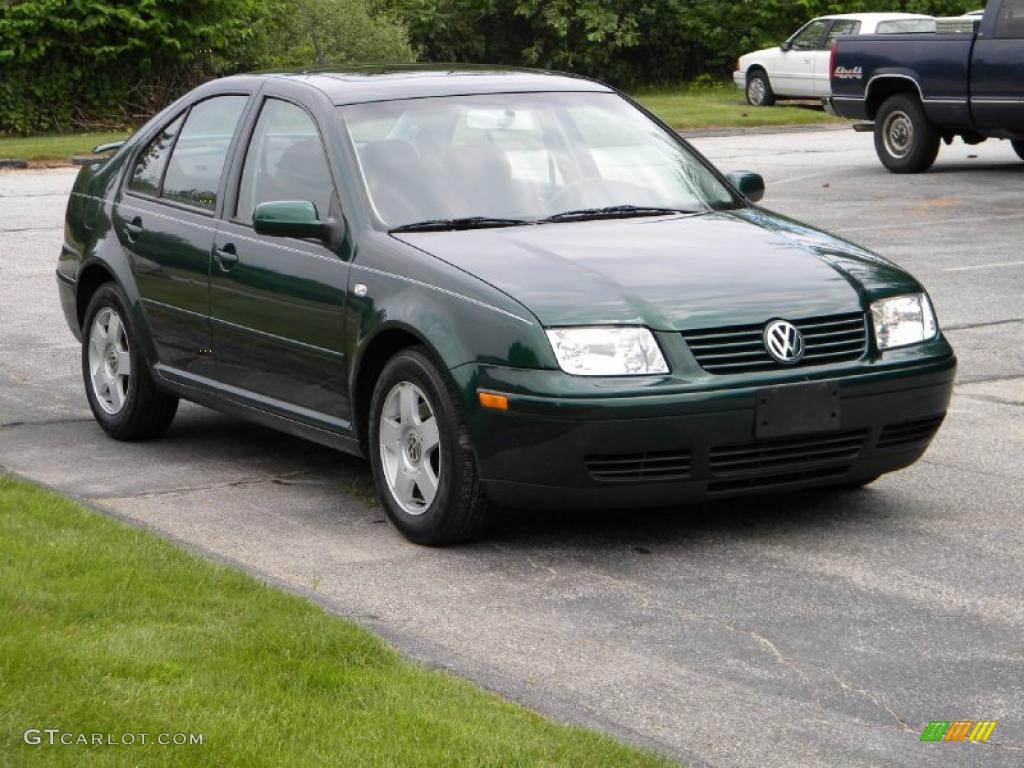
[{"x": 816, "y": 629}]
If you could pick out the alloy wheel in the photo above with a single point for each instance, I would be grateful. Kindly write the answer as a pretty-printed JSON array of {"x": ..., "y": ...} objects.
[
  {"x": 110, "y": 363},
  {"x": 410, "y": 448}
]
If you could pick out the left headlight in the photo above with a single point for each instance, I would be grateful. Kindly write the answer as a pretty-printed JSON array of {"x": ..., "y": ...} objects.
[
  {"x": 612, "y": 351},
  {"x": 903, "y": 320}
]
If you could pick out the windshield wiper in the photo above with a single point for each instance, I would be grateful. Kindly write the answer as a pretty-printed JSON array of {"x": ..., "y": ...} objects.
[
  {"x": 616, "y": 212},
  {"x": 468, "y": 222}
]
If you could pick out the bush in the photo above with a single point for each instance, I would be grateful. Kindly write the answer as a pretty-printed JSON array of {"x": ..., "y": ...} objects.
[
  {"x": 626, "y": 42},
  {"x": 88, "y": 64}
]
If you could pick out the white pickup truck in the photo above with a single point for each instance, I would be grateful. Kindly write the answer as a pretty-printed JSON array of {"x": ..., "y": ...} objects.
[{"x": 798, "y": 68}]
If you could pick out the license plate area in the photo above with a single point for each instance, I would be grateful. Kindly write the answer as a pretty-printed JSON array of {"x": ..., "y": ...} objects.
[{"x": 796, "y": 409}]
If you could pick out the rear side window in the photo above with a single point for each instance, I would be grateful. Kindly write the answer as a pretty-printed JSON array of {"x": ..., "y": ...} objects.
[
  {"x": 149, "y": 168},
  {"x": 906, "y": 26},
  {"x": 1010, "y": 22},
  {"x": 842, "y": 28},
  {"x": 194, "y": 170},
  {"x": 285, "y": 161}
]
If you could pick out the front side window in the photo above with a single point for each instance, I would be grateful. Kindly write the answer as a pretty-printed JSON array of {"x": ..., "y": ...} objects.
[
  {"x": 1010, "y": 22},
  {"x": 285, "y": 161},
  {"x": 149, "y": 167},
  {"x": 525, "y": 156},
  {"x": 194, "y": 170},
  {"x": 810, "y": 37}
]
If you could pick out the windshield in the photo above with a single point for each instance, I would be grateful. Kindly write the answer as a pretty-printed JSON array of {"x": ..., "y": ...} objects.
[{"x": 522, "y": 157}]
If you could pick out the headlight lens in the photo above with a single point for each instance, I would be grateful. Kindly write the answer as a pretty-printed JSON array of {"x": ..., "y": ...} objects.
[
  {"x": 903, "y": 320},
  {"x": 612, "y": 351}
]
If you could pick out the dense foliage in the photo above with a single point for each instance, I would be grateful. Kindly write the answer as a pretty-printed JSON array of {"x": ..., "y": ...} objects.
[
  {"x": 625, "y": 41},
  {"x": 97, "y": 63},
  {"x": 103, "y": 63}
]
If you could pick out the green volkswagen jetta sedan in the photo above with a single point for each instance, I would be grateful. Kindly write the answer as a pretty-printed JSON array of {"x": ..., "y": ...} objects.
[{"x": 501, "y": 286}]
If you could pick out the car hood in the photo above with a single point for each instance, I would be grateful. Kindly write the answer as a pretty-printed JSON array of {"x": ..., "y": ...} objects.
[{"x": 674, "y": 273}]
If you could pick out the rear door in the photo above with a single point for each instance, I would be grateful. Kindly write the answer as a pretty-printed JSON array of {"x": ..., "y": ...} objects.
[
  {"x": 794, "y": 72},
  {"x": 277, "y": 304},
  {"x": 164, "y": 219},
  {"x": 997, "y": 69}
]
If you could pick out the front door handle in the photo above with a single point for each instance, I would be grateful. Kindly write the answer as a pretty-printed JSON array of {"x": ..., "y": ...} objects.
[
  {"x": 134, "y": 228},
  {"x": 227, "y": 257}
]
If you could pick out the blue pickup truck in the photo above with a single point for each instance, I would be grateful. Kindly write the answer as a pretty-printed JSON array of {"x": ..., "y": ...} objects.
[{"x": 922, "y": 89}]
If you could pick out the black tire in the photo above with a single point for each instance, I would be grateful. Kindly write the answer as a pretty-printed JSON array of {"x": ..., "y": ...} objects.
[
  {"x": 1018, "y": 147},
  {"x": 759, "y": 89},
  {"x": 904, "y": 139},
  {"x": 145, "y": 412},
  {"x": 459, "y": 510}
]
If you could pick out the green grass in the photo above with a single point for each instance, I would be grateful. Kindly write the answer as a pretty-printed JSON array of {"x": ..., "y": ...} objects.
[
  {"x": 55, "y": 147},
  {"x": 108, "y": 629},
  {"x": 695, "y": 107}
]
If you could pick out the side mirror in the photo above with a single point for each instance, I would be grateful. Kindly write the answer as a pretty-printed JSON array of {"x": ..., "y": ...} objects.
[
  {"x": 750, "y": 185},
  {"x": 786, "y": 46},
  {"x": 296, "y": 218}
]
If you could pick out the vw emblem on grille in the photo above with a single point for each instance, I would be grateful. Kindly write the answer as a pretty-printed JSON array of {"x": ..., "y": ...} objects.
[{"x": 784, "y": 342}]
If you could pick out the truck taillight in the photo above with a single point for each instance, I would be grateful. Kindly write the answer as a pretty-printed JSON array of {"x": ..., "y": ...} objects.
[{"x": 832, "y": 59}]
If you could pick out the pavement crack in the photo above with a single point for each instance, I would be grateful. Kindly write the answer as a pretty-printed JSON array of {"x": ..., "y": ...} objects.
[
  {"x": 972, "y": 326},
  {"x": 45, "y": 422},
  {"x": 993, "y": 399},
  {"x": 280, "y": 479}
]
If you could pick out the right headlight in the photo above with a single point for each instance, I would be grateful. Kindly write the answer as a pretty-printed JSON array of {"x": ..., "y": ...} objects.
[
  {"x": 607, "y": 351},
  {"x": 903, "y": 320}
]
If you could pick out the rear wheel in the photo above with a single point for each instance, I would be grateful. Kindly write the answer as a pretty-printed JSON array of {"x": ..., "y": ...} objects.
[
  {"x": 904, "y": 139},
  {"x": 423, "y": 467},
  {"x": 759, "y": 89},
  {"x": 121, "y": 393},
  {"x": 1018, "y": 147}
]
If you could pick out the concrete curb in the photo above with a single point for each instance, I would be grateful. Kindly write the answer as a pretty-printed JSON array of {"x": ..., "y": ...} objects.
[
  {"x": 7, "y": 163},
  {"x": 765, "y": 130}
]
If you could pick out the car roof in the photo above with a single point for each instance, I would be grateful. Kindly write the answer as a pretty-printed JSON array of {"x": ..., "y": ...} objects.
[
  {"x": 360, "y": 84},
  {"x": 877, "y": 16}
]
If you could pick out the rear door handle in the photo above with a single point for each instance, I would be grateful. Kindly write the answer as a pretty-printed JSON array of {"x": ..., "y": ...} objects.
[
  {"x": 134, "y": 228},
  {"x": 227, "y": 257}
]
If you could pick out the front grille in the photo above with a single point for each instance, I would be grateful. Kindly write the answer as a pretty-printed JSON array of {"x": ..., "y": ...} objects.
[
  {"x": 767, "y": 481},
  {"x": 632, "y": 467},
  {"x": 739, "y": 349},
  {"x": 786, "y": 453},
  {"x": 910, "y": 432}
]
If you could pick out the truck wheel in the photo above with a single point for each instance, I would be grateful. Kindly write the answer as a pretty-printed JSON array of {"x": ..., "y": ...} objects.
[
  {"x": 904, "y": 139},
  {"x": 759, "y": 89},
  {"x": 1018, "y": 147},
  {"x": 420, "y": 453}
]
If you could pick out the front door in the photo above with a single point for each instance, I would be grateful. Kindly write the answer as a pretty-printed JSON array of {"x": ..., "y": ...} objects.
[
  {"x": 794, "y": 72},
  {"x": 997, "y": 71},
  {"x": 277, "y": 304},
  {"x": 165, "y": 222}
]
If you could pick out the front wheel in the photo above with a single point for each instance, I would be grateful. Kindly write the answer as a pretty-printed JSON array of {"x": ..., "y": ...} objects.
[
  {"x": 1018, "y": 147},
  {"x": 904, "y": 139},
  {"x": 423, "y": 467},
  {"x": 759, "y": 89},
  {"x": 121, "y": 393}
]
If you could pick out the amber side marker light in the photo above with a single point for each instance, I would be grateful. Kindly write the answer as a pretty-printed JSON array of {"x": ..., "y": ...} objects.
[{"x": 491, "y": 400}]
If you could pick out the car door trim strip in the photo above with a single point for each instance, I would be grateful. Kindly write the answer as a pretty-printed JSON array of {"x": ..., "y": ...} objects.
[{"x": 290, "y": 249}]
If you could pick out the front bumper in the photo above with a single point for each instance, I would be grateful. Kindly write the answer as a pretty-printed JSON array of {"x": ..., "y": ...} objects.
[
  {"x": 740, "y": 79},
  {"x": 660, "y": 450}
]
